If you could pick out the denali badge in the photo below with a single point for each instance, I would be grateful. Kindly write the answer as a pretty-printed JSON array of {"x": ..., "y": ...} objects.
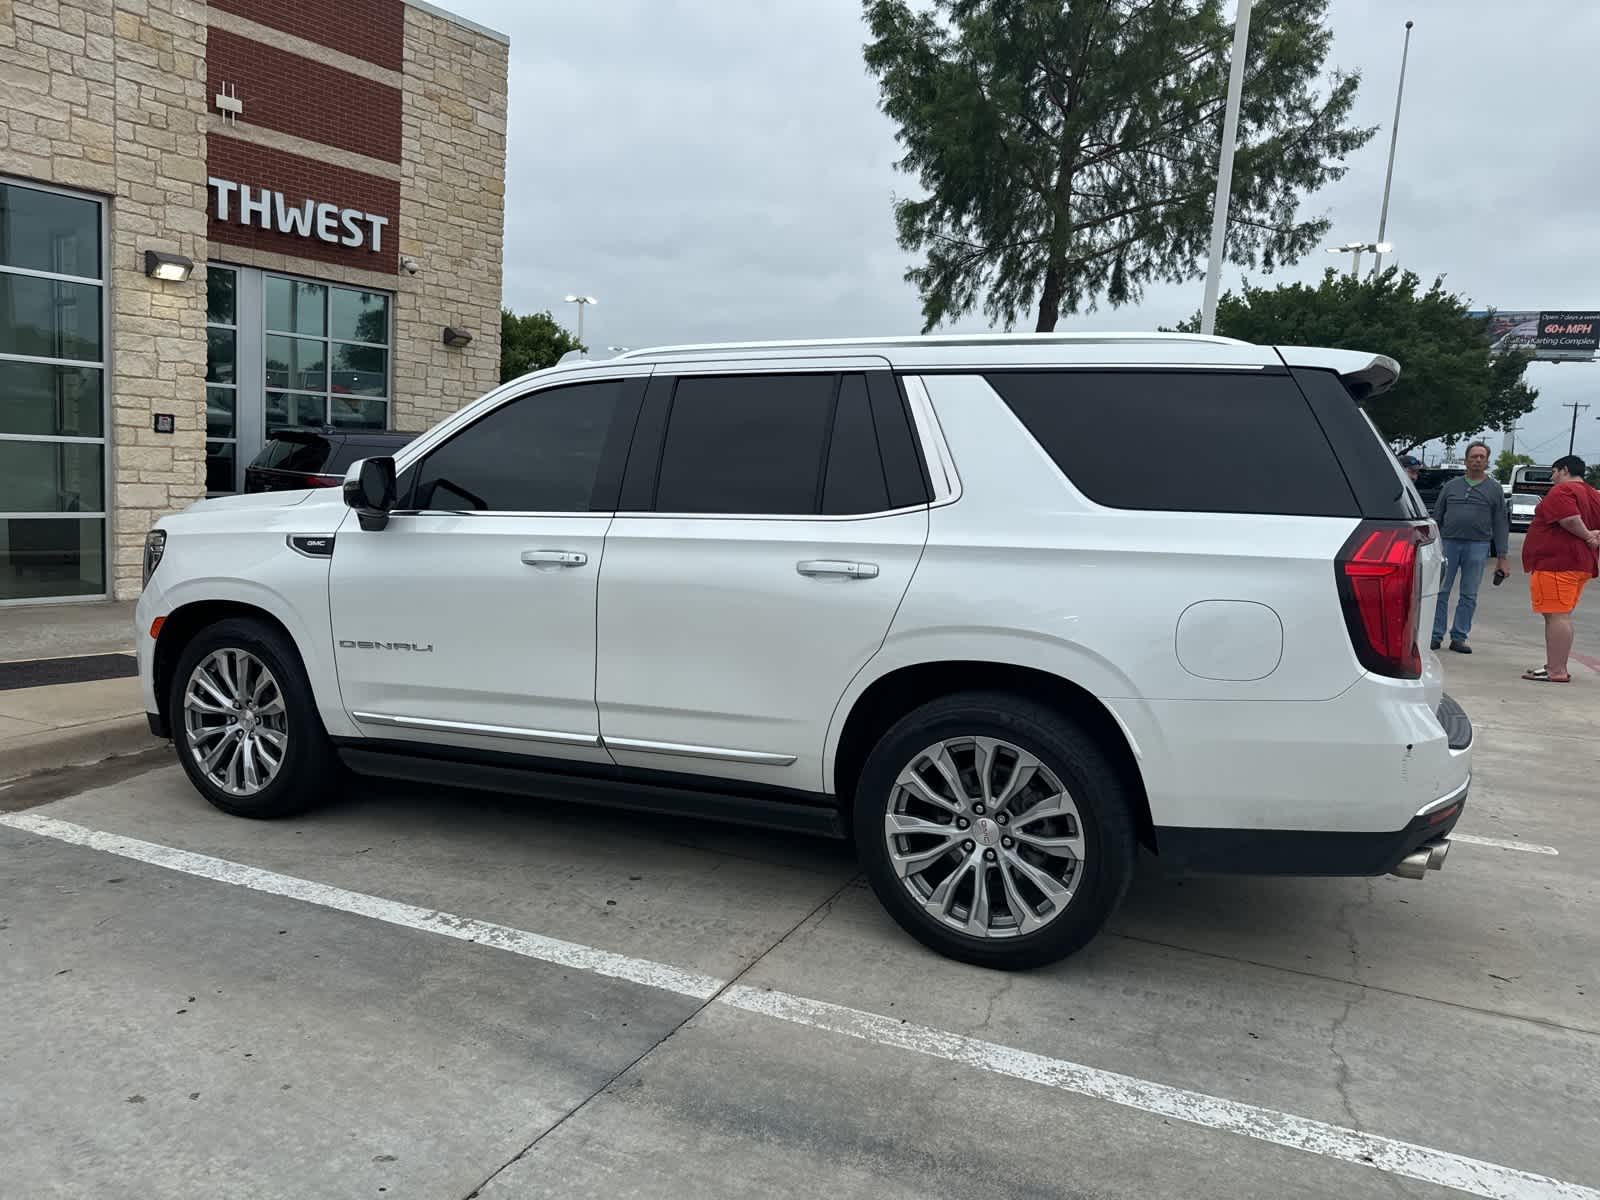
[{"x": 414, "y": 647}]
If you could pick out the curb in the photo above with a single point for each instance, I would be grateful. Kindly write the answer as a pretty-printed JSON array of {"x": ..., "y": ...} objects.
[{"x": 77, "y": 746}]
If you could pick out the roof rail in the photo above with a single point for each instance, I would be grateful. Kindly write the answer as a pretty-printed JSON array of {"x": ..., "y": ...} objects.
[{"x": 939, "y": 339}]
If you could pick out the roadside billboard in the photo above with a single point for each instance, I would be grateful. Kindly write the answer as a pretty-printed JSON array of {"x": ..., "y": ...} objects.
[{"x": 1550, "y": 335}]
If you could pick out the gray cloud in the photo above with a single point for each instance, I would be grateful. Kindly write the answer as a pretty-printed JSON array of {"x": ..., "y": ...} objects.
[{"x": 718, "y": 171}]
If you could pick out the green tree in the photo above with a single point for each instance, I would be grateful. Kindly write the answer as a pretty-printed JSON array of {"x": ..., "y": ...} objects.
[
  {"x": 531, "y": 342},
  {"x": 1449, "y": 386},
  {"x": 1507, "y": 463},
  {"x": 1593, "y": 477},
  {"x": 1069, "y": 148}
]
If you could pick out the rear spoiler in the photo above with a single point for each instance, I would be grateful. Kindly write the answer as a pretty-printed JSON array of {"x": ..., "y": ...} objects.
[{"x": 1365, "y": 374}]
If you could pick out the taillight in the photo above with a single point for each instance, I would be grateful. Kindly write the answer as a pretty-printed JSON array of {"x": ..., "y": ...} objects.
[
  {"x": 325, "y": 480},
  {"x": 1378, "y": 575}
]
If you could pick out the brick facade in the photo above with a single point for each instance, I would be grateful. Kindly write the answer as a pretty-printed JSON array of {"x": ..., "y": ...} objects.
[
  {"x": 111, "y": 97},
  {"x": 325, "y": 104},
  {"x": 300, "y": 178},
  {"x": 367, "y": 29}
]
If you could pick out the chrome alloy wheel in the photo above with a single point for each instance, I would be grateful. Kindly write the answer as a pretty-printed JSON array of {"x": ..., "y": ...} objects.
[
  {"x": 985, "y": 837},
  {"x": 235, "y": 720}
]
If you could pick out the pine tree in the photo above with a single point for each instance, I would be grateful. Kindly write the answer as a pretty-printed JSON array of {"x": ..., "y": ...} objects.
[{"x": 1069, "y": 148}]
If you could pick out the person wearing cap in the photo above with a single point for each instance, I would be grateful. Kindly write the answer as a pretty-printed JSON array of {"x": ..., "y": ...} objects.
[
  {"x": 1561, "y": 554},
  {"x": 1412, "y": 465},
  {"x": 1474, "y": 526}
]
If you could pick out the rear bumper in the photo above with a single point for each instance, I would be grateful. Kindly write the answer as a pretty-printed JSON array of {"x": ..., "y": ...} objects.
[{"x": 1306, "y": 851}]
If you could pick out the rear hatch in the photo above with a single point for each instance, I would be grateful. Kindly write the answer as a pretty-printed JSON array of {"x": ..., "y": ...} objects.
[{"x": 1389, "y": 571}]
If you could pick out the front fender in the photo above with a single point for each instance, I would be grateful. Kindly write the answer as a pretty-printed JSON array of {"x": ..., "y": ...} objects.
[{"x": 293, "y": 590}]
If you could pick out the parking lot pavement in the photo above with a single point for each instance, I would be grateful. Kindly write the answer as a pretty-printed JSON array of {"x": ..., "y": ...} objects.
[{"x": 658, "y": 1008}]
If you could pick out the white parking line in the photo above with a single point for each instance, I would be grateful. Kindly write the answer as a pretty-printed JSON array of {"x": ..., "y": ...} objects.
[
  {"x": 500, "y": 937},
  {"x": 1473, "y": 1176},
  {"x": 1503, "y": 844}
]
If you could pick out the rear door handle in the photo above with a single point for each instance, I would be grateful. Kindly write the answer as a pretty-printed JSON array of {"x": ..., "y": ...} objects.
[
  {"x": 827, "y": 566},
  {"x": 554, "y": 558}
]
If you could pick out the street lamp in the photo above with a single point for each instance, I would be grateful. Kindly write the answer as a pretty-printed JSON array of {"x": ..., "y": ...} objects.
[
  {"x": 619, "y": 349},
  {"x": 1219, "y": 204},
  {"x": 581, "y": 301},
  {"x": 1354, "y": 249},
  {"x": 1394, "y": 136}
]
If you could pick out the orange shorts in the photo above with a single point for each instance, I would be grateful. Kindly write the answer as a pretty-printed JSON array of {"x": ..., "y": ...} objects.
[{"x": 1556, "y": 591}]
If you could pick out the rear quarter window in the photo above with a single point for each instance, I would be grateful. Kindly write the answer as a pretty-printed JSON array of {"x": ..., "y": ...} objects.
[
  {"x": 1372, "y": 470},
  {"x": 305, "y": 456},
  {"x": 1183, "y": 441}
]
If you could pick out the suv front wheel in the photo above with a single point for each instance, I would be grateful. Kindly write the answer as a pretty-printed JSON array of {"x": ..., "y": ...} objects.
[
  {"x": 245, "y": 724},
  {"x": 994, "y": 830}
]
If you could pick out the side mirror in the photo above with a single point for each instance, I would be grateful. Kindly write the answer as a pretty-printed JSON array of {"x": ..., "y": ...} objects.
[{"x": 369, "y": 489}]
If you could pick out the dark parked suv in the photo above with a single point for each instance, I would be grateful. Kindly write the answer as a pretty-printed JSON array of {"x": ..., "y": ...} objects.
[
  {"x": 306, "y": 458},
  {"x": 1431, "y": 481}
]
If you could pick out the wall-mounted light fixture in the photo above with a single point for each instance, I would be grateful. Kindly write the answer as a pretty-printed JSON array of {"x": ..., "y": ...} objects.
[
  {"x": 174, "y": 268},
  {"x": 454, "y": 336}
]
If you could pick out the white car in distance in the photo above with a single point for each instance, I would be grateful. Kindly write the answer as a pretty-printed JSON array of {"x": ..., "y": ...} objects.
[{"x": 984, "y": 603}]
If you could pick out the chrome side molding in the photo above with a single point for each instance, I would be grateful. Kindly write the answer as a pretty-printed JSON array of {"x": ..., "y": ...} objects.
[{"x": 587, "y": 740}]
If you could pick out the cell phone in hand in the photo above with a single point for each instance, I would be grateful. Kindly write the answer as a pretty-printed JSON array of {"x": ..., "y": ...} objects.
[{"x": 1500, "y": 577}]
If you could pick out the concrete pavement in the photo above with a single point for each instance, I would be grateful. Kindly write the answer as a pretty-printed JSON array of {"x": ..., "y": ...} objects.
[
  {"x": 61, "y": 725},
  {"x": 185, "y": 1027}
]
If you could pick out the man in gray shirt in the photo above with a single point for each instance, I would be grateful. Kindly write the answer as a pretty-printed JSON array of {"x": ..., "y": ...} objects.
[{"x": 1475, "y": 526}]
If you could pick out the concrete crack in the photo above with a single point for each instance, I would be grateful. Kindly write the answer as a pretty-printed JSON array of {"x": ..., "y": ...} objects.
[
  {"x": 1341, "y": 1079},
  {"x": 994, "y": 998}
]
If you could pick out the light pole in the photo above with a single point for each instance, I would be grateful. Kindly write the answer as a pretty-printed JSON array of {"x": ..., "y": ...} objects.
[
  {"x": 1219, "y": 206},
  {"x": 581, "y": 302},
  {"x": 1394, "y": 136},
  {"x": 1354, "y": 249}
]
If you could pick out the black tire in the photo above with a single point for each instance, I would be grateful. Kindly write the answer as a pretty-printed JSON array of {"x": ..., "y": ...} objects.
[
  {"x": 1102, "y": 797},
  {"x": 310, "y": 772}
]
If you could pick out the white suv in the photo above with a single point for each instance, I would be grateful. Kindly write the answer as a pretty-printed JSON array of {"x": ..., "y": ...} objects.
[{"x": 1003, "y": 608}]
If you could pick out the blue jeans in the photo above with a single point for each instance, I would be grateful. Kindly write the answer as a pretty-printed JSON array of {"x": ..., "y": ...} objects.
[{"x": 1469, "y": 558}]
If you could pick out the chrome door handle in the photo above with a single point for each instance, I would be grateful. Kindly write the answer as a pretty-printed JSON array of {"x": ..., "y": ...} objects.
[
  {"x": 825, "y": 566},
  {"x": 554, "y": 558}
]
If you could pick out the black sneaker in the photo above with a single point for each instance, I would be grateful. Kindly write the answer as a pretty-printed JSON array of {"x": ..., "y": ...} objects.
[
  {"x": 1435, "y": 643},
  {"x": 1461, "y": 647}
]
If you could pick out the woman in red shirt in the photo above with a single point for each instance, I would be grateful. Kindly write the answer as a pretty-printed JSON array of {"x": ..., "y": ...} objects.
[{"x": 1561, "y": 554}]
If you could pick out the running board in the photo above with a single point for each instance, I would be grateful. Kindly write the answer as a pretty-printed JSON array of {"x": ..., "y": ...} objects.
[{"x": 638, "y": 795}]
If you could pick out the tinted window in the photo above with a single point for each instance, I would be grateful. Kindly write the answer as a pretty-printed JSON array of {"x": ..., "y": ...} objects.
[
  {"x": 745, "y": 444},
  {"x": 855, "y": 482},
  {"x": 539, "y": 453},
  {"x": 902, "y": 458},
  {"x": 1183, "y": 441},
  {"x": 306, "y": 455},
  {"x": 351, "y": 452},
  {"x": 1372, "y": 470},
  {"x": 42, "y": 231}
]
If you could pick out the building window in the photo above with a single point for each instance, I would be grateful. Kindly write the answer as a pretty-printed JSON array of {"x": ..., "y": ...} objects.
[
  {"x": 52, "y": 395},
  {"x": 222, "y": 379},
  {"x": 326, "y": 355}
]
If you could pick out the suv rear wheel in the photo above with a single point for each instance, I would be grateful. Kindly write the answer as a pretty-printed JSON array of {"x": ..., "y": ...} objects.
[
  {"x": 245, "y": 725},
  {"x": 994, "y": 830}
]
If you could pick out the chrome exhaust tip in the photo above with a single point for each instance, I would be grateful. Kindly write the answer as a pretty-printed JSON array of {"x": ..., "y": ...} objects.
[
  {"x": 1436, "y": 853},
  {"x": 1413, "y": 865}
]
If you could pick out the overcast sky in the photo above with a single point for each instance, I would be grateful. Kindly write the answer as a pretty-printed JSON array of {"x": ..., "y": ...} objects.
[{"x": 717, "y": 171}]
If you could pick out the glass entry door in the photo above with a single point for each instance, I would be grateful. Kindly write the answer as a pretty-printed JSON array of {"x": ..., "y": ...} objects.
[
  {"x": 289, "y": 353},
  {"x": 52, "y": 395}
]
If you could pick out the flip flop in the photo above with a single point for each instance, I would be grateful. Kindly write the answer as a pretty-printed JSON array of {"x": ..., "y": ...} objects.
[{"x": 1540, "y": 675}]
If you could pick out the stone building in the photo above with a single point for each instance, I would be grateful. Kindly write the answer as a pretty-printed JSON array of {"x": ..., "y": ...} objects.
[{"x": 218, "y": 219}]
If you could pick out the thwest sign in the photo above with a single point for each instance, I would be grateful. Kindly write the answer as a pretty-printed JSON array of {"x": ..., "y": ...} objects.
[{"x": 265, "y": 209}]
